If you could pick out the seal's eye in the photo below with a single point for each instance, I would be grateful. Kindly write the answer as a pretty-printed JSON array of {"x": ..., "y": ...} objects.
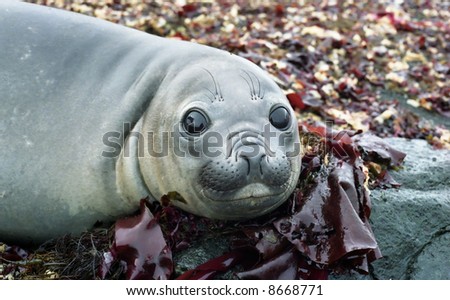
[
  {"x": 195, "y": 122},
  {"x": 280, "y": 118}
]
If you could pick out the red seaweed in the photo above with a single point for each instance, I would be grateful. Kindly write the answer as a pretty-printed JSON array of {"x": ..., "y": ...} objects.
[{"x": 140, "y": 246}]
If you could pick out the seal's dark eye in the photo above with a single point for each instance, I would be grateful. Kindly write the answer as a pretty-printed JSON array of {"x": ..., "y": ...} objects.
[
  {"x": 195, "y": 122},
  {"x": 280, "y": 118}
]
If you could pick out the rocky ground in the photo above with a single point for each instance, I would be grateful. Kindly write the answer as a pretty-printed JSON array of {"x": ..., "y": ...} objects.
[
  {"x": 412, "y": 224},
  {"x": 380, "y": 68}
]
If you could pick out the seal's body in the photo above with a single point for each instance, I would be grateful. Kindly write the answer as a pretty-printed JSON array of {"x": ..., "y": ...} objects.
[{"x": 89, "y": 107}]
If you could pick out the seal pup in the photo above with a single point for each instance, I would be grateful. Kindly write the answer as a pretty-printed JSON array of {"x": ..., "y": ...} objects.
[{"x": 95, "y": 116}]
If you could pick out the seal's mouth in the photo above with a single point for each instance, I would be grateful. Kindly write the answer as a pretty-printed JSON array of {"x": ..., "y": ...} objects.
[
  {"x": 250, "y": 192},
  {"x": 253, "y": 200},
  {"x": 242, "y": 203}
]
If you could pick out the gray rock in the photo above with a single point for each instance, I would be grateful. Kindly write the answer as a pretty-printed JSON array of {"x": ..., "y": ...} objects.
[
  {"x": 432, "y": 262},
  {"x": 412, "y": 224},
  {"x": 199, "y": 253}
]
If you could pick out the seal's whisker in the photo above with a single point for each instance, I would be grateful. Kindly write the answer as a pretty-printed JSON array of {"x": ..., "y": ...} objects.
[
  {"x": 256, "y": 87},
  {"x": 259, "y": 86},
  {"x": 217, "y": 90},
  {"x": 262, "y": 92},
  {"x": 209, "y": 97},
  {"x": 251, "y": 84},
  {"x": 220, "y": 97},
  {"x": 248, "y": 83}
]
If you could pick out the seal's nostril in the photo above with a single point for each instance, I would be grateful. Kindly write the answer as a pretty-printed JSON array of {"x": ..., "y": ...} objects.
[
  {"x": 248, "y": 163},
  {"x": 260, "y": 164}
]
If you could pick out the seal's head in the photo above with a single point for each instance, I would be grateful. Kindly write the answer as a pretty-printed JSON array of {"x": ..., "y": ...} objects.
[{"x": 224, "y": 137}]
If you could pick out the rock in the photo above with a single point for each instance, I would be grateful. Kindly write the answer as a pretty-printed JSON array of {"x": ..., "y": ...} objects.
[
  {"x": 199, "y": 253},
  {"x": 412, "y": 224},
  {"x": 432, "y": 262}
]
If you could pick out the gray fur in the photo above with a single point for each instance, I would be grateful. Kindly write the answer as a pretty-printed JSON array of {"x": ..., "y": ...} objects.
[{"x": 67, "y": 79}]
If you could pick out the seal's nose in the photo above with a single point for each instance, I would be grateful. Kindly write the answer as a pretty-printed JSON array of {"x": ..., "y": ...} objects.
[{"x": 253, "y": 155}]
